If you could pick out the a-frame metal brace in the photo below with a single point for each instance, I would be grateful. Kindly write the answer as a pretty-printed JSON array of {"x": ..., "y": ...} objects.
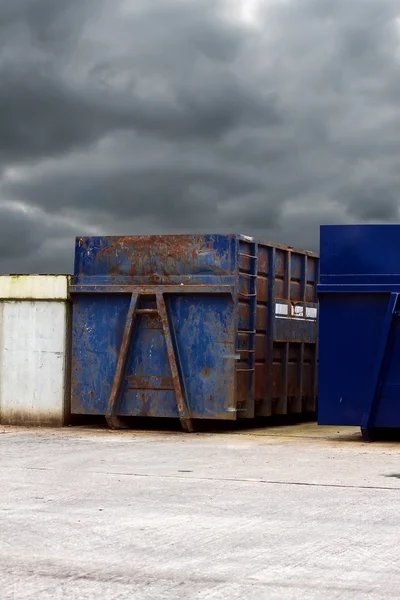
[
  {"x": 113, "y": 420},
  {"x": 371, "y": 404}
]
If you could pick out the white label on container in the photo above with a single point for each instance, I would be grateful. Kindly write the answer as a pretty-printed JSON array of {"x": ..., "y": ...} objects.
[
  {"x": 298, "y": 312},
  {"x": 311, "y": 312},
  {"x": 281, "y": 309}
]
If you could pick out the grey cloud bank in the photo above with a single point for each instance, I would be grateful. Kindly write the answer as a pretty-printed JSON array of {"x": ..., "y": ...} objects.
[{"x": 160, "y": 116}]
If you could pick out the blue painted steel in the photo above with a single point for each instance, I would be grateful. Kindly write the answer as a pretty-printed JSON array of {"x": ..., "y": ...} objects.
[
  {"x": 193, "y": 326},
  {"x": 359, "y": 335},
  {"x": 372, "y": 399}
]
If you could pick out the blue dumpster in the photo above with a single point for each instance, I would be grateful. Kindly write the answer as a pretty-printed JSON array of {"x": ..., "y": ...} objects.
[
  {"x": 359, "y": 341},
  {"x": 192, "y": 327}
]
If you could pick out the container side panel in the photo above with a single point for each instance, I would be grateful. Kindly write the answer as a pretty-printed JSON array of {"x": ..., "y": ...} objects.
[
  {"x": 360, "y": 254},
  {"x": 202, "y": 329},
  {"x": 312, "y": 277},
  {"x": 148, "y": 389},
  {"x": 98, "y": 328},
  {"x": 205, "y": 337},
  {"x": 296, "y": 276},
  {"x": 345, "y": 370},
  {"x": 154, "y": 259},
  {"x": 295, "y": 323},
  {"x": 32, "y": 362},
  {"x": 287, "y": 329},
  {"x": 262, "y": 362},
  {"x": 388, "y": 401},
  {"x": 264, "y": 260}
]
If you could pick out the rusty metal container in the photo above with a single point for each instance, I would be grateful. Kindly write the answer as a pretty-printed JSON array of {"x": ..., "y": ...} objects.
[
  {"x": 34, "y": 350},
  {"x": 193, "y": 326}
]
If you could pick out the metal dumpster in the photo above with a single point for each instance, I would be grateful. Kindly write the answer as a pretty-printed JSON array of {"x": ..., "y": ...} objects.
[
  {"x": 359, "y": 341},
  {"x": 192, "y": 326}
]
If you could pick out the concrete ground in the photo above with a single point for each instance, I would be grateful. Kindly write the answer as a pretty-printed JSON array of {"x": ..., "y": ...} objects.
[{"x": 288, "y": 513}]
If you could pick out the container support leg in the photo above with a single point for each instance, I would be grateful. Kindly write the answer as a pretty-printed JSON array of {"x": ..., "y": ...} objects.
[
  {"x": 113, "y": 421},
  {"x": 368, "y": 417},
  {"x": 174, "y": 363}
]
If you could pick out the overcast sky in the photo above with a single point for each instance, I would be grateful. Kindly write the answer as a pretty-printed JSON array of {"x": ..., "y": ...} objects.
[{"x": 159, "y": 116}]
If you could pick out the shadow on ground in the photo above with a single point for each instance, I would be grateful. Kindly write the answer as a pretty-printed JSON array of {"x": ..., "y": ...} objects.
[
  {"x": 290, "y": 426},
  {"x": 201, "y": 425}
]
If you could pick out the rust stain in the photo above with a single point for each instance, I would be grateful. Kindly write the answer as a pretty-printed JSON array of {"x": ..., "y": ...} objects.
[
  {"x": 138, "y": 382},
  {"x": 181, "y": 400},
  {"x": 139, "y": 256},
  {"x": 122, "y": 357}
]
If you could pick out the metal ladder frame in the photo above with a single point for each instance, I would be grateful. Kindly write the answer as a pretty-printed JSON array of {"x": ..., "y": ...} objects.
[
  {"x": 252, "y": 331},
  {"x": 113, "y": 420}
]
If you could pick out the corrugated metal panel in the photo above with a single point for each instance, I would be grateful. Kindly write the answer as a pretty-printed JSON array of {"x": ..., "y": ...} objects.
[
  {"x": 359, "y": 327},
  {"x": 34, "y": 350},
  {"x": 285, "y": 377},
  {"x": 212, "y": 326}
]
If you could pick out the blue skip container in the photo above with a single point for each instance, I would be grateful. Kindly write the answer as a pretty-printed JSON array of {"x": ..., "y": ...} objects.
[
  {"x": 359, "y": 327},
  {"x": 193, "y": 326}
]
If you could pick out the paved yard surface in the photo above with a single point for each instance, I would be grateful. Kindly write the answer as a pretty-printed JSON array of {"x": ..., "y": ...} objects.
[{"x": 295, "y": 513}]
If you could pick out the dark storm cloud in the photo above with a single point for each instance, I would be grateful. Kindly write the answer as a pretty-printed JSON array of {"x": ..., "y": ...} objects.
[
  {"x": 43, "y": 116},
  {"x": 151, "y": 191},
  {"x": 148, "y": 116},
  {"x": 374, "y": 203},
  {"x": 18, "y": 235},
  {"x": 45, "y": 111},
  {"x": 26, "y": 235}
]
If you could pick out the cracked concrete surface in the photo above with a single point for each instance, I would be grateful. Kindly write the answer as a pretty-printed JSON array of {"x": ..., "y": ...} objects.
[{"x": 283, "y": 513}]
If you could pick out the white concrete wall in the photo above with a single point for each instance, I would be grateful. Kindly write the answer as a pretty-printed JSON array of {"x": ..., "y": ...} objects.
[
  {"x": 34, "y": 350},
  {"x": 36, "y": 287}
]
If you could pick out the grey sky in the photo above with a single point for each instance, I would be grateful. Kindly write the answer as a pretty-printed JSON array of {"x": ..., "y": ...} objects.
[{"x": 158, "y": 116}]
